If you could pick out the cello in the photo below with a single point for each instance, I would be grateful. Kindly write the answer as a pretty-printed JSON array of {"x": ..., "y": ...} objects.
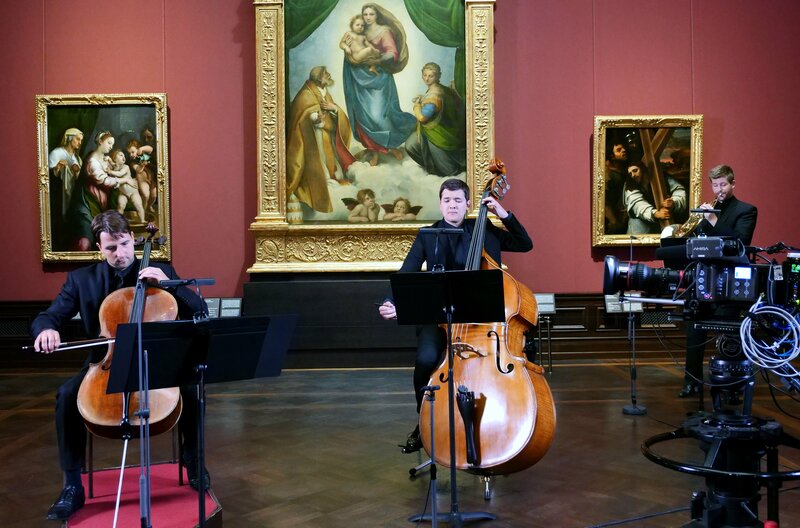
[
  {"x": 107, "y": 415},
  {"x": 507, "y": 419}
]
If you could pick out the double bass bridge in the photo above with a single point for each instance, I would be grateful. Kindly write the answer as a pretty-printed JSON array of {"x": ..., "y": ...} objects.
[{"x": 466, "y": 351}]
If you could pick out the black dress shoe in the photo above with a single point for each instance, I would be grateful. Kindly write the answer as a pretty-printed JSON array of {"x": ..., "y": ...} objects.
[
  {"x": 194, "y": 480},
  {"x": 688, "y": 390},
  {"x": 413, "y": 442},
  {"x": 71, "y": 500}
]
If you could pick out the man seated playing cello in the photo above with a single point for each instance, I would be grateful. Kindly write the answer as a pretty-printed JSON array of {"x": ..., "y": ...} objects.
[{"x": 83, "y": 292}]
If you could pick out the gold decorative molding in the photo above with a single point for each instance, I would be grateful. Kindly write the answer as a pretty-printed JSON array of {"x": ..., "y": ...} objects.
[{"x": 284, "y": 247}]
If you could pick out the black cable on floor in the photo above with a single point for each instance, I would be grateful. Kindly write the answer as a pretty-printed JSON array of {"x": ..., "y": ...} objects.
[{"x": 632, "y": 519}]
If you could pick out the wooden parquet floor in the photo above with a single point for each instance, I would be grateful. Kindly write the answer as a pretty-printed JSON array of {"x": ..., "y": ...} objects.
[{"x": 318, "y": 448}]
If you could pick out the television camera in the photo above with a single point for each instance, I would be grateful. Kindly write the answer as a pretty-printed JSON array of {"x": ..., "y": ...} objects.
[
  {"x": 752, "y": 305},
  {"x": 755, "y": 310}
]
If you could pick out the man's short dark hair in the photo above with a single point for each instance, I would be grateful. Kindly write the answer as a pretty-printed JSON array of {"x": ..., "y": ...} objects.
[
  {"x": 454, "y": 184},
  {"x": 111, "y": 222}
]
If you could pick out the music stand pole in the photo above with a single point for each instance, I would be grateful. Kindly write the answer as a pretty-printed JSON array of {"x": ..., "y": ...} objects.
[
  {"x": 431, "y": 395},
  {"x": 633, "y": 409},
  {"x": 144, "y": 418},
  {"x": 451, "y": 418},
  {"x": 454, "y": 518},
  {"x": 201, "y": 443}
]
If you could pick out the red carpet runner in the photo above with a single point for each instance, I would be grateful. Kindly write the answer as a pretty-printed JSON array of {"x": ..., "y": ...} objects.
[{"x": 171, "y": 505}]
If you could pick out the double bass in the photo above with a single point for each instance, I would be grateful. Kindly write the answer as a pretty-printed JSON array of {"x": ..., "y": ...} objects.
[
  {"x": 103, "y": 413},
  {"x": 513, "y": 416}
]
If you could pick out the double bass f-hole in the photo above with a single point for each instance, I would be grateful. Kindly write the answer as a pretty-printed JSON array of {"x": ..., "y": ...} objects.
[{"x": 509, "y": 366}]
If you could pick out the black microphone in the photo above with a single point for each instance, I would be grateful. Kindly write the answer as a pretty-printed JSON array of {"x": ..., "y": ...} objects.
[
  {"x": 776, "y": 248},
  {"x": 186, "y": 282},
  {"x": 438, "y": 230}
]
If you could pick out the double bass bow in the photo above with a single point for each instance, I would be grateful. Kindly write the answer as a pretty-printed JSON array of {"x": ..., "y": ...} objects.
[
  {"x": 507, "y": 420},
  {"x": 103, "y": 413}
]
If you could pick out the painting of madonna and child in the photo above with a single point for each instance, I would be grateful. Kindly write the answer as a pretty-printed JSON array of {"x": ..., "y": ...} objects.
[
  {"x": 376, "y": 118},
  {"x": 100, "y": 153}
]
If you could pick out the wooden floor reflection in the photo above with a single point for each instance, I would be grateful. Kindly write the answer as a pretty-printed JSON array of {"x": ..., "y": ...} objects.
[{"x": 318, "y": 448}]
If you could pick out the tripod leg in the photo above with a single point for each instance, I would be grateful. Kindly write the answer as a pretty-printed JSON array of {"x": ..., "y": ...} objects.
[{"x": 413, "y": 471}]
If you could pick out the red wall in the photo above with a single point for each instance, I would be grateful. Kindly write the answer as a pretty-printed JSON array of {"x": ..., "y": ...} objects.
[{"x": 558, "y": 63}]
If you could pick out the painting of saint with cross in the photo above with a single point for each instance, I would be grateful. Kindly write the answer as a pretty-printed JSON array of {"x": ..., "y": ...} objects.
[{"x": 647, "y": 175}]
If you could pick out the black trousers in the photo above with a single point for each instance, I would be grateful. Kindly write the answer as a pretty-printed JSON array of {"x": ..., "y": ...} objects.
[
  {"x": 431, "y": 342},
  {"x": 71, "y": 431}
]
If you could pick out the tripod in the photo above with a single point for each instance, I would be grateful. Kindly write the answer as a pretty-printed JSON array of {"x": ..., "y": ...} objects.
[{"x": 734, "y": 443}]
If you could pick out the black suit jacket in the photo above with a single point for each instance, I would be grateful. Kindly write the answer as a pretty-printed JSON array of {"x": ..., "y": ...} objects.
[
  {"x": 736, "y": 219},
  {"x": 87, "y": 287},
  {"x": 437, "y": 249}
]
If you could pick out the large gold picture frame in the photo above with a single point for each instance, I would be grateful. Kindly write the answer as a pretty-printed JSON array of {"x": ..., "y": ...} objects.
[
  {"x": 98, "y": 152},
  {"x": 284, "y": 244},
  {"x": 647, "y": 176}
]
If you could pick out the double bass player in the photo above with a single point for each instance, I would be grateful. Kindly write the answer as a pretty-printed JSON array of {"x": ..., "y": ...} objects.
[
  {"x": 83, "y": 292},
  {"x": 450, "y": 252}
]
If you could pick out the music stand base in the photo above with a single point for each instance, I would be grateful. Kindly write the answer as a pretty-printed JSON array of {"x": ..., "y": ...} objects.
[
  {"x": 634, "y": 410},
  {"x": 454, "y": 518}
]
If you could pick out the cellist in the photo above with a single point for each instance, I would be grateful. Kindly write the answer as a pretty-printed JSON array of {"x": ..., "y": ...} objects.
[
  {"x": 83, "y": 292},
  {"x": 449, "y": 252}
]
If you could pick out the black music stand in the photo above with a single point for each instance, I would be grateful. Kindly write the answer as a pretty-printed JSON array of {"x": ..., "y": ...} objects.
[
  {"x": 447, "y": 297},
  {"x": 198, "y": 352}
]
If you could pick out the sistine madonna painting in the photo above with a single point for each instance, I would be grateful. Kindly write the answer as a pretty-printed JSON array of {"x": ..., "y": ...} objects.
[{"x": 376, "y": 116}]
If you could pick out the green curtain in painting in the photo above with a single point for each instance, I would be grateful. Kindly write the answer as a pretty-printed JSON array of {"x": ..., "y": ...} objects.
[
  {"x": 442, "y": 21},
  {"x": 303, "y": 17}
]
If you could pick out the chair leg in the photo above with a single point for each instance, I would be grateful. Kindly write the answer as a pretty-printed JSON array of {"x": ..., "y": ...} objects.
[{"x": 176, "y": 445}]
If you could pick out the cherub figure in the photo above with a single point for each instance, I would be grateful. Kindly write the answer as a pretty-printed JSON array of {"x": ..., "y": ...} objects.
[
  {"x": 363, "y": 208},
  {"x": 357, "y": 48},
  {"x": 128, "y": 188},
  {"x": 400, "y": 210}
]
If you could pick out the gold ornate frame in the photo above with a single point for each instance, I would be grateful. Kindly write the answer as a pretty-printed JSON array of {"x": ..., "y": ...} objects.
[
  {"x": 74, "y": 109},
  {"x": 656, "y": 134},
  {"x": 284, "y": 247}
]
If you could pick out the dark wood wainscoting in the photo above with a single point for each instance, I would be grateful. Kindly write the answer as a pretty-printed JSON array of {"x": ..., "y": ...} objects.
[
  {"x": 15, "y": 327},
  {"x": 338, "y": 325}
]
